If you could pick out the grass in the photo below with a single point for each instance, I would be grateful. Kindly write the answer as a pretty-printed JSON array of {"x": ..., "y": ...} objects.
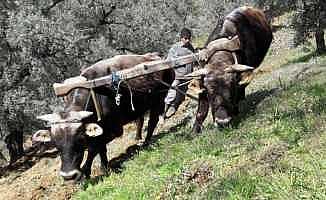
[
  {"x": 280, "y": 57},
  {"x": 277, "y": 151}
]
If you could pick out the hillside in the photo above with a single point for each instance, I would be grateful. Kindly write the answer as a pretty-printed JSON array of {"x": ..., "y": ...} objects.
[{"x": 275, "y": 150}]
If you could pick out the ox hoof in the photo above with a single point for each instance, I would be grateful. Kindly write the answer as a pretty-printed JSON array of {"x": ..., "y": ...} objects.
[
  {"x": 197, "y": 128},
  {"x": 138, "y": 138},
  {"x": 140, "y": 142}
]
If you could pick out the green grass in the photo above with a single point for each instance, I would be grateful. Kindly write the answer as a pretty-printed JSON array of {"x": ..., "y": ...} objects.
[{"x": 275, "y": 150}]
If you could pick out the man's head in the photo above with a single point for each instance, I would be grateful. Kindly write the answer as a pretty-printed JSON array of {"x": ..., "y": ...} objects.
[{"x": 185, "y": 35}]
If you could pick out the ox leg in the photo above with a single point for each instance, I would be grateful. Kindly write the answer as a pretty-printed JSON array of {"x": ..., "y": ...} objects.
[
  {"x": 153, "y": 120},
  {"x": 92, "y": 152},
  {"x": 239, "y": 94},
  {"x": 202, "y": 111},
  {"x": 104, "y": 160},
  {"x": 139, "y": 123}
]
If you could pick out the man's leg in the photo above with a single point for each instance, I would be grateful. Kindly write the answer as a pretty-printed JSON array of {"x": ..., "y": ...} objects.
[
  {"x": 169, "y": 109},
  {"x": 174, "y": 98}
]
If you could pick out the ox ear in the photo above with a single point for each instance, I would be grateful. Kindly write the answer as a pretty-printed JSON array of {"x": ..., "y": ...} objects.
[
  {"x": 93, "y": 130},
  {"x": 238, "y": 68},
  {"x": 50, "y": 117},
  {"x": 41, "y": 136}
]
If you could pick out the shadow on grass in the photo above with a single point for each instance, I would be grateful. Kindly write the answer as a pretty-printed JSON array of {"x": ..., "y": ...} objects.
[
  {"x": 249, "y": 105},
  {"x": 116, "y": 164},
  {"x": 304, "y": 58}
]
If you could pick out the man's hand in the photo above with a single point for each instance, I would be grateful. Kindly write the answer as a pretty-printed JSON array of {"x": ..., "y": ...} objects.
[{"x": 203, "y": 55}]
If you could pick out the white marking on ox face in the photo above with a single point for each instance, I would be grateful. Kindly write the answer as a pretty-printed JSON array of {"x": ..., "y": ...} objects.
[
  {"x": 74, "y": 174},
  {"x": 68, "y": 141},
  {"x": 64, "y": 127},
  {"x": 41, "y": 136}
]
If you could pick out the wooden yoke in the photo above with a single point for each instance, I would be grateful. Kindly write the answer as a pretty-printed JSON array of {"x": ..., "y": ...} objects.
[
  {"x": 232, "y": 44},
  {"x": 142, "y": 69}
]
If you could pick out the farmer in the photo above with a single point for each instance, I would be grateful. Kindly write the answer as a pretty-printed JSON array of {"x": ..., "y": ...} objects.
[{"x": 181, "y": 48}]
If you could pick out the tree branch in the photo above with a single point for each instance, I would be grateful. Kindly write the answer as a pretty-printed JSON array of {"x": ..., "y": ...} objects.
[
  {"x": 45, "y": 11},
  {"x": 105, "y": 15},
  {"x": 125, "y": 49}
]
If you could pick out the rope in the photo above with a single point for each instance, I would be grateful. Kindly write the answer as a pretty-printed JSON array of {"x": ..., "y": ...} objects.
[
  {"x": 187, "y": 82},
  {"x": 97, "y": 106},
  {"x": 131, "y": 101},
  {"x": 87, "y": 101},
  {"x": 118, "y": 96},
  {"x": 235, "y": 57}
]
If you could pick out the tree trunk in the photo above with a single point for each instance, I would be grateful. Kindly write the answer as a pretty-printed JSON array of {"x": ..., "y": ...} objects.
[{"x": 320, "y": 41}]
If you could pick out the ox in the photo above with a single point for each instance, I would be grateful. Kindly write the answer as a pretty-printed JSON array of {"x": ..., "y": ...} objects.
[
  {"x": 77, "y": 128},
  {"x": 223, "y": 89}
]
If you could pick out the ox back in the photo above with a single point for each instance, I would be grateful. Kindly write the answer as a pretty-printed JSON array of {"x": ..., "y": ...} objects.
[{"x": 254, "y": 32}]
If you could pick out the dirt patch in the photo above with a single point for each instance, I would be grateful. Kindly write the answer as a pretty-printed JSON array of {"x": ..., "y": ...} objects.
[
  {"x": 267, "y": 162},
  {"x": 199, "y": 173},
  {"x": 36, "y": 183}
]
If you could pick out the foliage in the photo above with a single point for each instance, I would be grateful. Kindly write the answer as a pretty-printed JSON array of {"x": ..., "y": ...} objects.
[
  {"x": 42, "y": 42},
  {"x": 309, "y": 18}
]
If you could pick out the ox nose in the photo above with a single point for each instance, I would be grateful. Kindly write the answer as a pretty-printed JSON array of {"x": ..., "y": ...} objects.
[
  {"x": 222, "y": 122},
  {"x": 71, "y": 175}
]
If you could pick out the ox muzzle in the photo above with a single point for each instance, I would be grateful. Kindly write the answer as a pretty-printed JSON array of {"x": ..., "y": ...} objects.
[{"x": 73, "y": 118}]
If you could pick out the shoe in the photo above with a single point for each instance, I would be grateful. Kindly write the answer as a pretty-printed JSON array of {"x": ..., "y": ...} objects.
[{"x": 169, "y": 112}]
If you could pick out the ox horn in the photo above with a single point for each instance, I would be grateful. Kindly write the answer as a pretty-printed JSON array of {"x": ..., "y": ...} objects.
[
  {"x": 72, "y": 115},
  {"x": 41, "y": 136},
  {"x": 232, "y": 45},
  {"x": 93, "y": 130},
  {"x": 199, "y": 72},
  {"x": 238, "y": 68},
  {"x": 79, "y": 115},
  {"x": 54, "y": 117}
]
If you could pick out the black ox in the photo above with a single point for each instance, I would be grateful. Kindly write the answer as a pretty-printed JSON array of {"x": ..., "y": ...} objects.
[{"x": 77, "y": 128}]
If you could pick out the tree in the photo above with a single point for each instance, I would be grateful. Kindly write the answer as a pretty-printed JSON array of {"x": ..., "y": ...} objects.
[
  {"x": 42, "y": 42},
  {"x": 311, "y": 18}
]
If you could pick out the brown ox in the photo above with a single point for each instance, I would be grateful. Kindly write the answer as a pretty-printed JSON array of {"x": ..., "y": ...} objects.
[
  {"x": 224, "y": 90},
  {"x": 77, "y": 128}
]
